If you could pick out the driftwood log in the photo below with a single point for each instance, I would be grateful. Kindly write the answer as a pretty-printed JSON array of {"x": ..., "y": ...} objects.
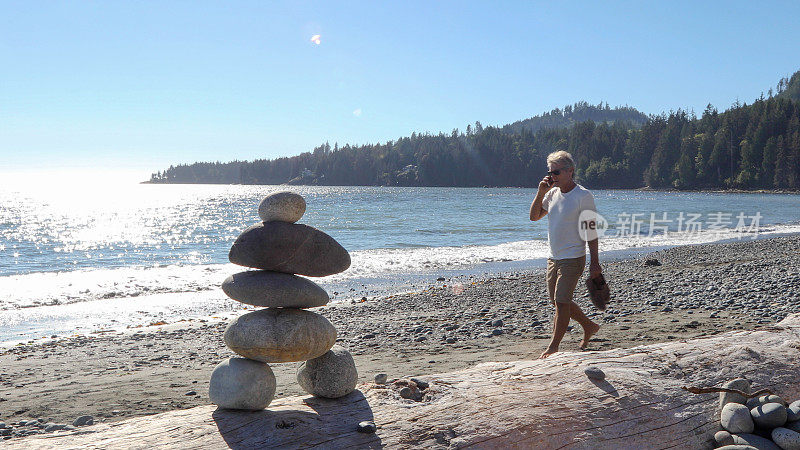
[{"x": 524, "y": 404}]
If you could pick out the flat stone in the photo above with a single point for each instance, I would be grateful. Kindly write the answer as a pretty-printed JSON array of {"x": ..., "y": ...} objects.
[
  {"x": 741, "y": 384},
  {"x": 289, "y": 248},
  {"x": 735, "y": 418},
  {"x": 331, "y": 375},
  {"x": 282, "y": 206},
  {"x": 786, "y": 439},
  {"x": 240, "y": 383},
  {"x": 274, "y": 290},
  {"x": 793, "y": 412},
  {"x": 769, "y": 415},
  {"x": 83, "y": 421},
  {"x": 761, "y": 443},
  {"x": 280, "y": 335},
  {"x": 594, "y": 373}
]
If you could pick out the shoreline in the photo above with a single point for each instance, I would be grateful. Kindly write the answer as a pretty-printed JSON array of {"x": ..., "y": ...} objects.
[{"x": 452, "y": 324}]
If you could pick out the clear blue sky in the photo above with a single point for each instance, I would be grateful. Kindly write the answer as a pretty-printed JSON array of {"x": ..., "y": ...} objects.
[{"x": 142, "y": 85}]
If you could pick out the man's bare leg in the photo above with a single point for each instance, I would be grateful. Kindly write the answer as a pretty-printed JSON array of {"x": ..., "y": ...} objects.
[
  {"x": 560, "y": 323},
  {"x": 590, "y": 328}
]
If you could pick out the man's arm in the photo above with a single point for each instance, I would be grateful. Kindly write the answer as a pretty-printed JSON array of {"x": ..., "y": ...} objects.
[{"x": 537, "y": 212}]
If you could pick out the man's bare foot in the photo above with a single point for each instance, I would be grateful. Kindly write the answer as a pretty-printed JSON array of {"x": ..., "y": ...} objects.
[
  {"x": 548, "y": 352},
  {"x": 588, "y": 333}
]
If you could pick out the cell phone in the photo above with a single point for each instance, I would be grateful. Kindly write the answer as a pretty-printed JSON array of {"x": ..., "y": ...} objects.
[{"x": 549, "y": 180}]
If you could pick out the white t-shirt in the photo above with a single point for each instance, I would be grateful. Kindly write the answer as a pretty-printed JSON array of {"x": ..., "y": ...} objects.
[{"x": 563, "y": 227}]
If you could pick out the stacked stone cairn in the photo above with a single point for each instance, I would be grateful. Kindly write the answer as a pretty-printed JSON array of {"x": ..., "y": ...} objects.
[
  {"x": 283, "y": 331},
  {"x": 764, "y": 422}
]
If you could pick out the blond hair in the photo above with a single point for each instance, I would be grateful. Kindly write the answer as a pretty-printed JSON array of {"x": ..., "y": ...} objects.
[{"x": 562, "y": 158}]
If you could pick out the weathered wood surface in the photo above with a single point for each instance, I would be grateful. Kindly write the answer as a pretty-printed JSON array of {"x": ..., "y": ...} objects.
[{"x": 523, "y": 404}]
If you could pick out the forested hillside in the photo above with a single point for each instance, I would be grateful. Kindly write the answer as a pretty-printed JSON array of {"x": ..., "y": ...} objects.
[{"x": 747, "y": 146}]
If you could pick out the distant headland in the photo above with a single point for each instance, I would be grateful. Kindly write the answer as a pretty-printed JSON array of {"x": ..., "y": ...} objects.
[{"x": 746, "y": 148}]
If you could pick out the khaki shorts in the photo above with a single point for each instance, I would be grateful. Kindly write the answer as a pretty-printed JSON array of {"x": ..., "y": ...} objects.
[{"x": 562, "y": 277}]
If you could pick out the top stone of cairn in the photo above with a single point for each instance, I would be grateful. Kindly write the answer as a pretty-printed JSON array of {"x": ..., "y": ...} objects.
[{"x": 282, "y": 207}]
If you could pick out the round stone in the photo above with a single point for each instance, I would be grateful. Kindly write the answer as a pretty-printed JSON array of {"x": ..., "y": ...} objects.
[
  {"x": 331, "y": 375},
  {"x": 594, "y": 373},
  {"x": 793, "y": 412},
  {"x": 735, "y": 418},
  {"x": 282, "y": 206},
  {"x": 753, "y": 440},
  {"x": 740, "y": 384},
  {"x": 367, "y": 426},
  {"x": 274, "y": 290},
  {"x": 764, "y": 399},
  {"x": 381, "y": 378},
  {"x": 240, "y": 383},
  {"x": 289, "y": 248},
  {"x": 722, "y": 437},
  {"x": 786, "y": 439},
  {"x": 769, "y": 415},
  {"x": 280, "y": 335}
]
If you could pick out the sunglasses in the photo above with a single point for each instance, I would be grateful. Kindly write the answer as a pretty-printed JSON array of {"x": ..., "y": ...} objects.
[{"x": 555, "y": 172}]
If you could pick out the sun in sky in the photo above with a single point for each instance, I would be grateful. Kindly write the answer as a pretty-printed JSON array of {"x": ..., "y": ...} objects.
[{"x": 315, "y": 39}]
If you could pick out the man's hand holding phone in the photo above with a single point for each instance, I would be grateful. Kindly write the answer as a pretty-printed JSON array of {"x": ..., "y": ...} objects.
[{"x": 546, "y": 183}]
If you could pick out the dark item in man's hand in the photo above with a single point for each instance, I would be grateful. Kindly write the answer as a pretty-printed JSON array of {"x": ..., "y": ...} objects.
[{"x": 599, "y": 292}]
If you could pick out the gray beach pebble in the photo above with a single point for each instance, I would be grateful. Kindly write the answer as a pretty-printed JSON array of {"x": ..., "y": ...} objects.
[
  {"x": 740, "y": 384},
  {"x": 289, "y": 248},
  {"x": 769, "y": 415},
  {"x": 240, "y": 383},
  {"x": 595, "y": 373},
  {"x": 367, "y": 426},
  {"x": 722, "y": 437},
  {"x": 793, "y": 412},
  {"x": 764, "y": 399},
  {"x": 756, "y": 441},
  {"x": 282, "y": 206},
  {"x": 331, "y": 375},
  {"x": 83, "y": 421},
  {"x": 786, "y": 439},
  {"x": 381, "y": 378},
  {"x": 274, "y": 290},
  {"x": 735, "y": 418},
  {"x": 280, "y": 335}
]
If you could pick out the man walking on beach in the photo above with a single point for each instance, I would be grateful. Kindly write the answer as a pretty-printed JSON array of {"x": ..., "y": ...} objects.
[{"x": 562, "y": 201}]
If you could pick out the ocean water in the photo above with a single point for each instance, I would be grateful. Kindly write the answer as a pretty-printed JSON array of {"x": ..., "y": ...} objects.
[{"x": 81, "y": 258}]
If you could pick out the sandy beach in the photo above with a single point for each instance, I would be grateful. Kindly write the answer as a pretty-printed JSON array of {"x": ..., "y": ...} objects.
[{"x": 455, "y": 323}]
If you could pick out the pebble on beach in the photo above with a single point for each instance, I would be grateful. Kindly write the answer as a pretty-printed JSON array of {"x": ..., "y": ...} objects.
[
  {"x": 240, "y": 383},
  {"x": 594, "y": 373},
  {"x": 735, "y": 418},
  {"x": 367, "y": 426},
  {"x": 740, "y": 384},
  {"x": 786, "y": 439},
  {"x": 331, "y": 375},
  {"x": 381, "y": 378},
  {"x": 769, "y": 415}
]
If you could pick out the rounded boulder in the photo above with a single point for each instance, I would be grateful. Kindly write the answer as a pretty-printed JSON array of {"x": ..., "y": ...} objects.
[
  {"x": 769, "y": 415},
  {"x": 289, "y": 248},
  {"x": 735, "y": 418},
  {"x": 740, "y": 384},
  {"x": 761, "y": 443},
  {"x": 280, "y": 335},
  {"x": 274, "y": 290},
  {"x": 282, "y": 206},
  {"x": 331, "y": 375},
  {"x": 240, "y": 383}
]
